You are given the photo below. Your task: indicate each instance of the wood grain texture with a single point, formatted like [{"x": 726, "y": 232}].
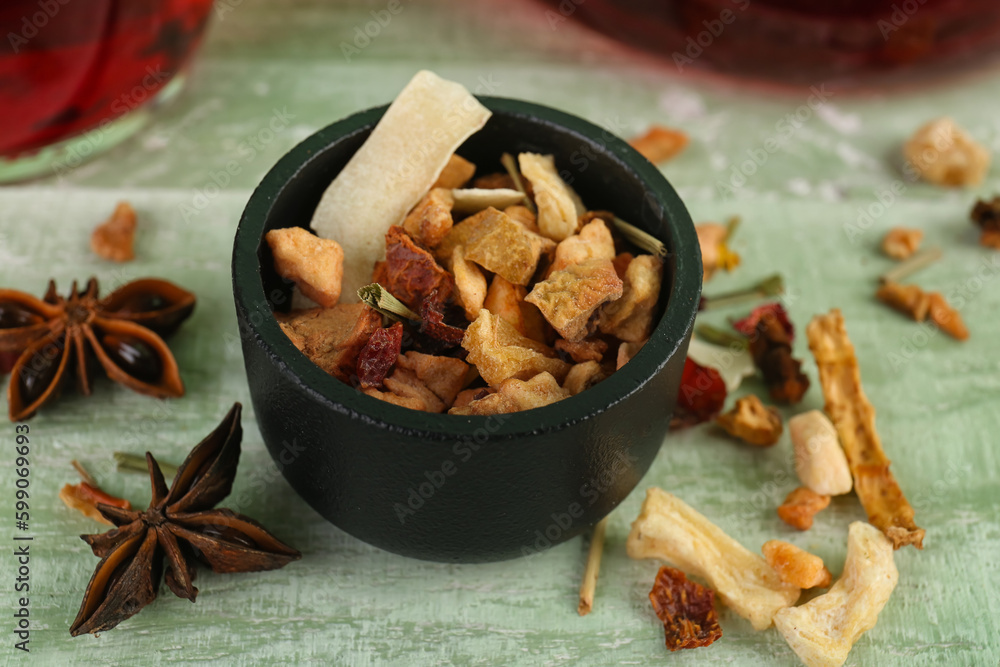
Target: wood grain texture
[{"x": 347, "y": 603}]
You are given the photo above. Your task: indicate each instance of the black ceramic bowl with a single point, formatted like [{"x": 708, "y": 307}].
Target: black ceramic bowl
[{"x": 445, "y": 487}]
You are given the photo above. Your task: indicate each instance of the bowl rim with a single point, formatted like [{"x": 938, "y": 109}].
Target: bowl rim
[{"x": 670, "y": 333}]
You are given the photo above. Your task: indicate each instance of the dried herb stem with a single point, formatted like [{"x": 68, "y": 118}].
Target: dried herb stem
[
  {"x": 768, "y": 287},
  {"x": 644, "y": 240},
  {"x": 84, "y": 475},
  {"x": 381, "y": 300},
  {"x": 510, "y": 164},
  {"x": 720, "y": 337},
  {"x": 134, "y": 463},
  {"x": 919, "y": 261},
  {"x": 589, "y": 584}
]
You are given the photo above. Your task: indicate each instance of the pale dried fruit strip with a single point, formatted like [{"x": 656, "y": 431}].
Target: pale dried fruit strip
[
  {"x": 393, "y": 169},
  {"x": 822, "y": 631},
  {"x": 671, "y": 530},
  {"x": 854, "y": 417}
]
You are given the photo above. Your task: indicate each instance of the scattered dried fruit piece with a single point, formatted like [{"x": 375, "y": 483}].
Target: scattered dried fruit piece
[
  {"x": 771, "y": 347},
  {"x": 918, "y": 304},
  {"x": 113, "y": 239},
  {"x": 494, "y": 181},
  {"x": 500, "y": 245},
  {"x": 701, "y": 396},
  {"x": 469, "y": 282},
  {"x": 332, "y": 337},
  {"x": 430, "y": 220},
  {"x": 986, "y": 215},
  {"x": 748, "y": 325},
  {"x": 395, "y": 166},
  {"x": 506, "y": 300},
  {"x": 942, "y": 153},
  {"x": 753, "y": 422},
  {"x": 500, "y": 352},
  {"x": 592, "y": 242},
  {"x": 456, "y": 173},
  {"x": 591, "y": 349},
  {"x": 625, "y": 353},
  {"x": 659, "y": 143},
  {"x": 315, "y": 265},
  {"x": 85, "y": 498},
  {"x": 796, "y": 566},
  {"x": 902, "y": 242},
  {"x": 569, "y": 298},
  {"x": 514, "y": 395},
  {"x": 686, "y": 609},
  {"x": 670, "y": 530},
  {"x": 402, "y": 401},
  {"x": 445, "y": 376},
  {"x": 715, "y": 253},
  {"x": 823, "y": 630},
  {"x": 411, "y": 273},
  {"x": 630, "y": 318},
  {"x": 854, "y": 417},
  {"x": 583, "y": 376},
  {"x": 473, "y": 200},
  {"x": 379, "y": 354},
  {"x": 523, "y": 216},
  {"x": 946, "y": 318},
  {"x": 800, "y": 506},
  {"x": 558, "y": 206},
  {"x": 405, "y": 383},
  {"x": 820, "y": 462}
]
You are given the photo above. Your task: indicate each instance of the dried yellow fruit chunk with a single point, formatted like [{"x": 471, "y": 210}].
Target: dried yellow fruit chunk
[
  {"x": 500, "y": 245},
  {"x": 854, "y": 418},
  {"x": 796, "y": 566},
  {"x": 593, "y": 242},
  {"x": 430, "y": 220},
  {"x": 901, "y": 242},
  {"x": 823, "y": 630},
  {"x": 671, "y": 530},
  {"x": 820, "y": 462},
  {"x": 470, "y": 282},
  {"x": 753, "y": 422},
  {"x": 942, "y": 153},
  {"x": 568, "y": 298},
  {"x": 514, "y": 395},
  {"x": 405, "y": 383},
  {"x": 445, "y": 376},
  {"x": 500, "y": 352},
  {"x": 559, "y": 208},
  {"x": 315, "y": 265},
  {"x": 583, "y": 376},
  {"x": 630, "y": 318},
  {"x": 455, "y": 174}
]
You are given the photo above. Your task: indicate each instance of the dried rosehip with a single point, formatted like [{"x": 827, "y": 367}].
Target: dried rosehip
[
  {"x": 686, "y": 608},
  {"x": 748, "y": 325},
  {"x": 379, "y": 355},
  {"x": 701, "y": 397}
]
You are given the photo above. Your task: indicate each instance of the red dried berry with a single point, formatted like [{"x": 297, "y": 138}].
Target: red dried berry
[
  {"x": 686, "y": 608},
  {"x": 701, "y": 397},
  {"x": 379, "y": 355}
]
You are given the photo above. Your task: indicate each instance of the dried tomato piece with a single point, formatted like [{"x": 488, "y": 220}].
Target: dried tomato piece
[
  {"x": 748, "y": 325},
  {"x": 701, "y": 397},
  {"x": 433, "y": 324},
  {"x": 379, "y": 354},
  {"x": 686, "y": 608},
  {"x": 412, "y": 273}
]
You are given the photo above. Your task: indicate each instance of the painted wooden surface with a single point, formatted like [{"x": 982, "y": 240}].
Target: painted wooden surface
[{"x": 347, "y": 603}]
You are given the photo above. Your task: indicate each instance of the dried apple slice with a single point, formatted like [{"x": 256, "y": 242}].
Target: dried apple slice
[{"x": 393, "y": 169}]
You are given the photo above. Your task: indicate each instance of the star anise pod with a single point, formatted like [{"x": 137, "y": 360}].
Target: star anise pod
[
  {"x": 180, "y": 526},
  {"x": 54, "y": 336}
]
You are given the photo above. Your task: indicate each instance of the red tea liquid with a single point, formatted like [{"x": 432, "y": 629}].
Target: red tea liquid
[
  {"x": 804, "y": 42},
  {"x": 68, "y": 65}
]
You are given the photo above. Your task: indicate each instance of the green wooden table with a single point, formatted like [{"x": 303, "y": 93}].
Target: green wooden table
[{"x": 348, "y": 603}]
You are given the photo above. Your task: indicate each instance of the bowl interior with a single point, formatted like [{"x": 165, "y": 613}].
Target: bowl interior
[{"x": 606, "y": 172}]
